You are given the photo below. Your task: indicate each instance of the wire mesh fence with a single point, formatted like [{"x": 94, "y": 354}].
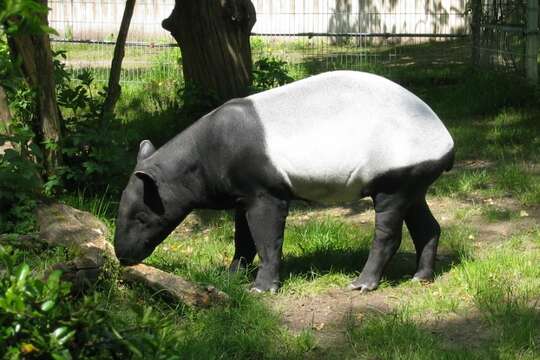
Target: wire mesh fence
[
  {"x": 508, "y": 36},
  {"x": 502, "y": 40},
  {"x": 311, "y": 35}
]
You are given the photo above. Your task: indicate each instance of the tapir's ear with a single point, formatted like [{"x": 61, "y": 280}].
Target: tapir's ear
[
  {"x": 145, "y": 150},
  {"x": 145, "y": 176}
]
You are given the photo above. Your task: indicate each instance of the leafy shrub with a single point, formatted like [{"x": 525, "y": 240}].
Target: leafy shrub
[
  {"x": 270, "y": 72},
  {"x": 20, "y": 171},
  {"x": 39, "y": 319},
  {"x": 94, "y": 147}
]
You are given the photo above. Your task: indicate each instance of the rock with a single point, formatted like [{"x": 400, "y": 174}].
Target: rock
[
  {"x": 79, "y": 231},
  {"x": 86, "y": 236}
]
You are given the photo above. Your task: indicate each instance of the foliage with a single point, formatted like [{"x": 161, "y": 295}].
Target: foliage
[
  {"x": 39, "y": 319},
  {"x": 20, "y": 179},
  {"x": 196, "y": 101},
  {"x": 19, "y": 165},
  {"x": 32, "y": 316},
  {"x": 94, "y": 148},
  {"x": 270, "y": 72},
  {"x": 23, "y": 17}
]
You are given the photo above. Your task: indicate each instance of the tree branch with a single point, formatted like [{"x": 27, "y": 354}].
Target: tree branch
[{"x": 114, "y": 89}]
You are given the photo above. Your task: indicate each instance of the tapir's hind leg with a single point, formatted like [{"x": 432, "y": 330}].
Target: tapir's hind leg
[
  {"x": 390, "y": 210},
  {"x": 425, "y": 232},
  {"x": 266, "y": 219},
  {"x": 244, "y": 247}
]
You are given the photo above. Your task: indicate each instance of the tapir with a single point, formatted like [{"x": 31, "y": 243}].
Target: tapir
[{"x": 330, "y": 138}]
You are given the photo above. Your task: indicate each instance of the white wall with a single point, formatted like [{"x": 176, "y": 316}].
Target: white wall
[{"x": 98, "y": 19}]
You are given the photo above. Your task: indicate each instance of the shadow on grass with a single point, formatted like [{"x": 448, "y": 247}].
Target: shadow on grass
[
  {"x": 477, "y": 336},
  {"x": 400, "y": 268}
]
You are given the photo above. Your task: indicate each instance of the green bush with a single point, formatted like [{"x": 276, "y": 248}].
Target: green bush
[
  {"x": 20, "y": 172},
  {"x": 270, "y": 72},
  {"x": 94, "y": 146},
  {"x": 40, "y": 319}
]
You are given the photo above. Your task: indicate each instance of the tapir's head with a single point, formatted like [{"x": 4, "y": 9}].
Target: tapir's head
[{"x": 147, "y": 211}]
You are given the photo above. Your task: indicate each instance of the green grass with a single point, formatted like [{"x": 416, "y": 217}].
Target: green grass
[
  {"x": 499, "y": 290},
  {"x": 494, "y": 214},
  {"x": 396, "y": 336},
  {"x": 520, "y": 181}
]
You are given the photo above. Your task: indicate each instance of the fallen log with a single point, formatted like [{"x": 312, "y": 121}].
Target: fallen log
[
  {"x": 174, "y": 286},
  {"x": 86, "y": 236}
]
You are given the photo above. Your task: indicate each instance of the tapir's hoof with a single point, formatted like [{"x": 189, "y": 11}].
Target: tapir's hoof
[
  {"x": 362, "y": 287},
  {"x": 260, "y": 289},
  {"x": 422, "y": 278}
]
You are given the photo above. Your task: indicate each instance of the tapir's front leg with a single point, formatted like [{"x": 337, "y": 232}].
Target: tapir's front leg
[
  {"x": 266, "y": 216},
  {"x": 244, "y": 247}
]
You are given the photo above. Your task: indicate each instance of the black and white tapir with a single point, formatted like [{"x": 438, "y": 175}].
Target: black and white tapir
[{"x": 334, "y": 137}]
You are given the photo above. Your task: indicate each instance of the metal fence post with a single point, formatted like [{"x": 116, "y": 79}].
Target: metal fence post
[{"x": 531, "y": 52}]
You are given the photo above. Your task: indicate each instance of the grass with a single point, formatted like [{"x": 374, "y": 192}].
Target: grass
[
  {"x": 494, "y": 214},
  {"x": 499, "y": 290}
]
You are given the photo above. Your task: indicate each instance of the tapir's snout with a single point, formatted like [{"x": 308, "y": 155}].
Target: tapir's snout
[
  {"x": 127, "y": 261},
  {"x": 128, "y": 253},
  {"x": 125, "y": 258}
]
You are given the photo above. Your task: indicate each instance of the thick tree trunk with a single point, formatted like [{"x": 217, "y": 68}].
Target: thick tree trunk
[
  {"x": 213, "y": 36},
  {"x": 35, "y": 53},
  {"x": 114, "y": 88}
]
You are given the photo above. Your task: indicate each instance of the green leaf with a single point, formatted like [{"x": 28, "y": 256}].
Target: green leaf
[
  {"x": 22, "y": 274},
  {"x": 133, "y": 348},
  {"x": 61, "y": 335},
  {"x": 47, "y": 305},
  {"x": 53, "y": 280},
  {"x": 62, "y": 355},
  {"x": 64, "y": 339}
]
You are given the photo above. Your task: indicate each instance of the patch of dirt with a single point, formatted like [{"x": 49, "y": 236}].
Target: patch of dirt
[{"x": 328, "y": 314}]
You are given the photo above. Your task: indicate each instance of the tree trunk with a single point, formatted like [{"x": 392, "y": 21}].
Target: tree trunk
[
  {"x": 213, "y": 36},
  {"x": 114, "y": 88},
  {"x": 37, "y": 66},
  {"x": 5, "y": 114},
  {"x": 5, "y": 120}
]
